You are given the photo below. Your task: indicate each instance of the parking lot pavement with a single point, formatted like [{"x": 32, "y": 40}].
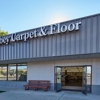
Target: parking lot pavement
[{"x": 49, "y": 95}]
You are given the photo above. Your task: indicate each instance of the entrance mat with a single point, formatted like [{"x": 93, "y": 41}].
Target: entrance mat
[{"x": 2, "y": 91}]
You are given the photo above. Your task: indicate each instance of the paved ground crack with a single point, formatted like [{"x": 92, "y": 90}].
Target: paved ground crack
[{"x": 61, "y": 96}]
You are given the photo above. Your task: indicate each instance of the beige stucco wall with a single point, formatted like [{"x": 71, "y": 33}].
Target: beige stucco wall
[{"x": 41, "y": 71}]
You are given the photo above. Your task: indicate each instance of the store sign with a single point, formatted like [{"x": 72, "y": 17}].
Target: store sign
[{"x": 39, "y": 32}]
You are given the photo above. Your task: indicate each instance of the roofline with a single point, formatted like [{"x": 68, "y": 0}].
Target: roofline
[{"x": 56, "y": 23}]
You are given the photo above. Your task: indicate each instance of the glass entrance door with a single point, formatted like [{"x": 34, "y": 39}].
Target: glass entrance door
[
  {"x": 84, "y": 80},
  {"x": 57, "y": 78}
]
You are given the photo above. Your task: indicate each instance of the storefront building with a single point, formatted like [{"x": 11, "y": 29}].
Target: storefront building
[{"x": 67, "y": 54}]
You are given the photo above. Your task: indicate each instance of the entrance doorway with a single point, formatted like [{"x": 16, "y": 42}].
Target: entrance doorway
[{"x": 73, "y": 78}]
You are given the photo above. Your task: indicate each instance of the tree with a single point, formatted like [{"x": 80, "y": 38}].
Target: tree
[{"x": 3, "y": 33}]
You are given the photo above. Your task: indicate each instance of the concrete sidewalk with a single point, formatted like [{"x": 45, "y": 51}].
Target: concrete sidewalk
[{"x": 41, "y": 95}]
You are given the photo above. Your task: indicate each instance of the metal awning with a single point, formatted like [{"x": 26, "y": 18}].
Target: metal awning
[{"x": 53, "y": 58}]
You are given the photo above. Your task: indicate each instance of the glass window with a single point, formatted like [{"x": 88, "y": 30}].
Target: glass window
[
  {"x": 3, "y": 72},
  {"x": 12, "y": 72},
  {"x": 89, "y": 78},
  {"x": 22, "y": 73}
]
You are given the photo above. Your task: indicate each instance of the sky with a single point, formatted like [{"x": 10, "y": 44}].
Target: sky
[{"x": 19, "y": 15}]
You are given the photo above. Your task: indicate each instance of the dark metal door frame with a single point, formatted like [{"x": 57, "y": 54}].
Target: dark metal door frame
[
  {"x": 55, "y": 78},
  {"x": 71, "y": 66}
]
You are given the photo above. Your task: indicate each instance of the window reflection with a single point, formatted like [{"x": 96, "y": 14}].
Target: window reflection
[
  {"x": 3, "y": 72},
  {"x": 89, "y": 78},
  {"x": 12, "y": 72},
  {"x": 89, "y": 75},
  {"x": 22, "y": 73},
  {"x": 16, "y": 72}
]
